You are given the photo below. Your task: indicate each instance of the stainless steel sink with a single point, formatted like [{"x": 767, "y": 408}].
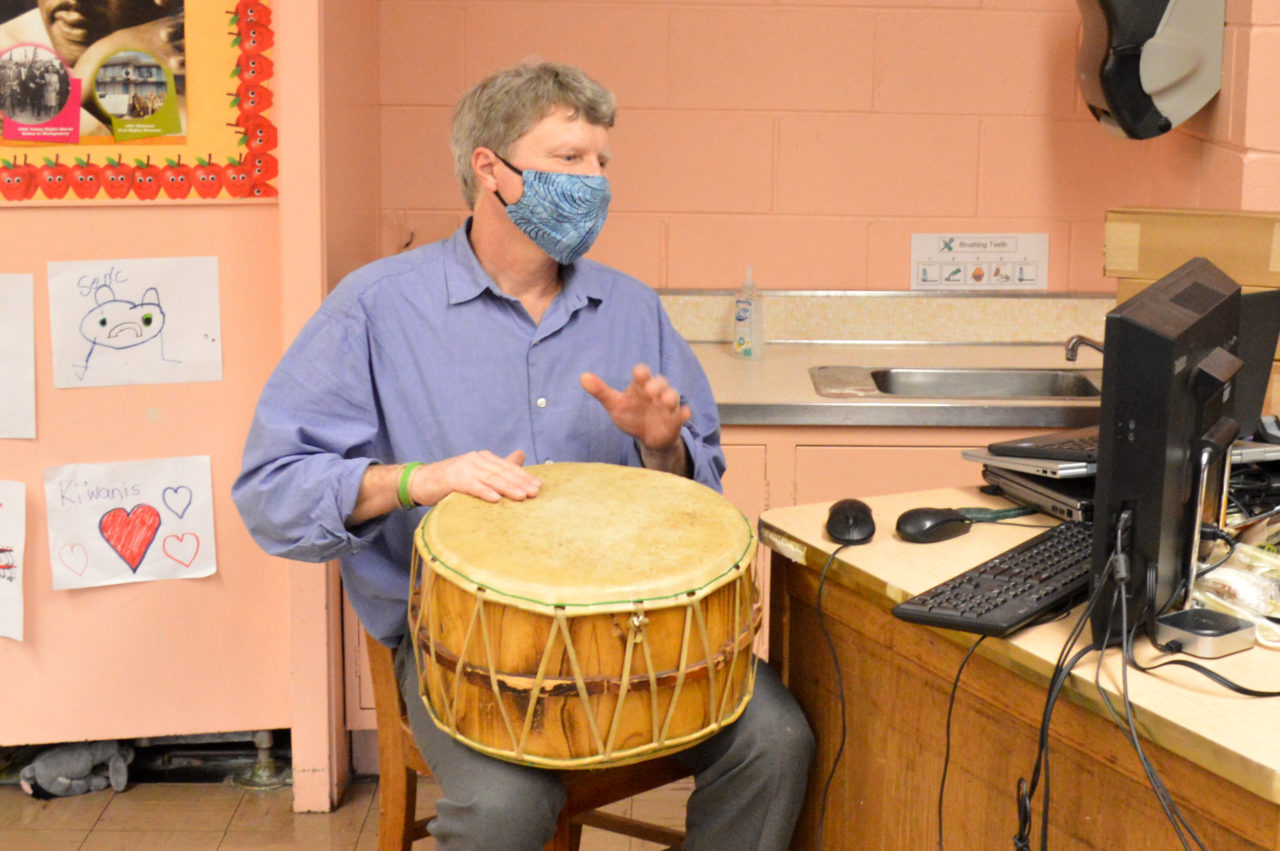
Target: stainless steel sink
[{"x": 956, "y": 383}]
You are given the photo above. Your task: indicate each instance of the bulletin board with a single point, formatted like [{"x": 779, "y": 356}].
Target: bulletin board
[{"x": 170, "y": 100}]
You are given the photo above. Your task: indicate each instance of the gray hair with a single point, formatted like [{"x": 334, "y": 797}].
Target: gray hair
[{"x": 498, "y": 110}]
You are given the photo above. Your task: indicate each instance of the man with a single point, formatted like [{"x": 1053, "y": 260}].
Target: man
[{"x": 473, "y": 355}]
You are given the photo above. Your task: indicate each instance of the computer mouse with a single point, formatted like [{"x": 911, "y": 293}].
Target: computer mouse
[
  {"x": 850, "y": 522},
  {"x": 930, "y": 525}
]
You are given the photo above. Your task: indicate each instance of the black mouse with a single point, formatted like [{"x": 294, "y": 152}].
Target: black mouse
[
  {"x": 850, "y": 522},
  {"x": 930, "y": 525}
]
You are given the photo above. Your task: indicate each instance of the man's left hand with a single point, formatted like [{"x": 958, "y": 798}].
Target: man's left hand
[{"x": 648, "y": 409}]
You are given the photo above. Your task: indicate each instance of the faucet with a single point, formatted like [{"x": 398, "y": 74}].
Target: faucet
[{"x": 1076, "y": 341}]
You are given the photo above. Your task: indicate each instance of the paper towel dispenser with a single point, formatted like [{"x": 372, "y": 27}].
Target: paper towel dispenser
[{"x": 1146, "y": 66}]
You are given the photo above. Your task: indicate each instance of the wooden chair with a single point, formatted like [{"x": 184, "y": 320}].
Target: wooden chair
[{"x": 400, "y": 763}]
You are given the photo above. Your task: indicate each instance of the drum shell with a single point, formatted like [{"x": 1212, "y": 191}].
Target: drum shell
[{"x": 661, "y": 713}]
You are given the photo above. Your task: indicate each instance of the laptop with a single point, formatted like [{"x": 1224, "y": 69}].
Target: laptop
[
  {"x": 1077, "y": 444},
  {"x": 1075, "y": 449},
  {"x": 1066, "y": 499},
  {"x": 1051, "y": 467},
  {"x": 1259, "y": 330}
]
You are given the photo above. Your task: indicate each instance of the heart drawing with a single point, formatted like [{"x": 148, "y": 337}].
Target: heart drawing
[
  {"x": 177, "y": 500},
  {"x": 130, "y": 533},
  {"x": 182, "y": 548},
  {"x": 73, "y": 558}
]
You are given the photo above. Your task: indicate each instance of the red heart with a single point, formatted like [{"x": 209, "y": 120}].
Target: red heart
[{"x": 130, "y": 533}]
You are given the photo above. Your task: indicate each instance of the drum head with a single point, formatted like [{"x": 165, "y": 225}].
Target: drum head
[{"x": 595, "y": 535}]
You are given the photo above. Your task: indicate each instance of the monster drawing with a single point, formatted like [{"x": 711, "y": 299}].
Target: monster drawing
[{"x": 117, "y": 323}]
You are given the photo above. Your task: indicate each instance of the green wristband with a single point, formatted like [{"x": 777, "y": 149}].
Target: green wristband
[{"x": 406, "y": 501}]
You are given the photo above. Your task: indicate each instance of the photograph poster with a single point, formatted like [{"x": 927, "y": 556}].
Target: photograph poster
[
  {"x": 104, "y": 70},
  {"x": 123, "y": 101}
]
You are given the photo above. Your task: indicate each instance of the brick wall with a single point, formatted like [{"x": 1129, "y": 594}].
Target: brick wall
[{"x": 811, "y": 139}]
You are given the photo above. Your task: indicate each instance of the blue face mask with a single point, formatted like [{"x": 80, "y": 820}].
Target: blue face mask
[{"x": 562, "y": 213}]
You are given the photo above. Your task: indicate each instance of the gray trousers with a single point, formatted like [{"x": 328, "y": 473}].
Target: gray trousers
[{"x": 749, "y": 779}]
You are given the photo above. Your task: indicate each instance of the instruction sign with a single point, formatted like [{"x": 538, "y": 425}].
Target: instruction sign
[{"x": 967, "y": 261}]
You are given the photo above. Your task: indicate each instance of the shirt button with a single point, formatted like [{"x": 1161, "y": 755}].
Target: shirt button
[{"x": 542, "y": 402}]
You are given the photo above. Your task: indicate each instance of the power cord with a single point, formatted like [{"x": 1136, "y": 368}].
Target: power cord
[
  {"x": 1176, "y": 647},
  {"x": 946, "y": 753},
  {"x": 835, "y": 661},
  {"x": 1026, "y": 791},
  {"x": 1117, "y": 569},
  {"x": 1208, "y": 531},
  {"x": 1061, "y": 671},
  {"x": 1167, "y": 803}
]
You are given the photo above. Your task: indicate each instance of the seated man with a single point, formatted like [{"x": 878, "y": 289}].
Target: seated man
[{"x": 472, "y": 355}]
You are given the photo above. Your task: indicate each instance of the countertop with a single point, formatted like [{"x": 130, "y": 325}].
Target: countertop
[
  {"x": 777, "y": 390},
  {"x": 1226, "y": 733}
]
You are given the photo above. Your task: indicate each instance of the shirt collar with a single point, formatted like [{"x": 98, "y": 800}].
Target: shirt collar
[{"x": 466, "y": 279}]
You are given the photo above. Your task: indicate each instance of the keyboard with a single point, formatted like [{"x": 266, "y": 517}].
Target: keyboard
[{"x": 1043, "y": 575}]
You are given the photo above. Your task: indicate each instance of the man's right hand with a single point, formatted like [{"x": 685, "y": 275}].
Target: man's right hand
[{"x": 480, "y": 474}]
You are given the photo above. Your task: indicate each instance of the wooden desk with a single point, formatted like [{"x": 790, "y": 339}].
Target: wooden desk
[{"x": 1218, "y": 753}]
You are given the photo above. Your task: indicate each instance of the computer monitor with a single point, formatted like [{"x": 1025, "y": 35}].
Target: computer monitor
[{"x": 1168, "y": 374}]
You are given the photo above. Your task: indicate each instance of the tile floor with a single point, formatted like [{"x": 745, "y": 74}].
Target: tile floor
[{"x": 206, "y": 816}]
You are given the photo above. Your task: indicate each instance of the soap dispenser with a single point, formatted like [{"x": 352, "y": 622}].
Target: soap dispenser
[{"x": 748, "y": 321}]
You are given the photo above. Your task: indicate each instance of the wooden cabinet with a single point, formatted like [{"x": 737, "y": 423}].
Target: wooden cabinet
[
  {"x": 824, "y": 463},
  {"x": 771, "y": 467}
]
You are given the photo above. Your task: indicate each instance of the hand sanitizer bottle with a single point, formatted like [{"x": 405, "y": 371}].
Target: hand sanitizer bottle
[{"x": 748, "y": 321}]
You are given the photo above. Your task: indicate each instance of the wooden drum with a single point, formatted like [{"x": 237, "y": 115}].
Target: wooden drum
[{"x": 607, "y": 620}]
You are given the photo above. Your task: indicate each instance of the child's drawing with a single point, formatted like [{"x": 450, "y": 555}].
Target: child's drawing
[
  {"x": 17, "y": 356},
  {"x": 130, "y": 521},
  {"x": 13, "y": 530},
  {"x": 149, "y": 320},
  {"x": 117, "y": 323}
]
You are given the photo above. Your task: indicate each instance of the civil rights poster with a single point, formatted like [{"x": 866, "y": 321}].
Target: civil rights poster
[
  {"x": 116, "y": 101},
  {"x": 92, "y": 70}
]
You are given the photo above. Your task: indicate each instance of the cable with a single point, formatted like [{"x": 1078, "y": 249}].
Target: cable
[
  {"x": 1208, "y": 531},
  {"x": 1061, "y": 671},
  {"x": 1102, "y": 652},
  {"x": 1117, "y": 568},
  {"x": 946, "y": 753},
  {"x": 831, "y": 645},
  {"x": 1167, "y": 803},
  {"x": 1175, "y": 647}
]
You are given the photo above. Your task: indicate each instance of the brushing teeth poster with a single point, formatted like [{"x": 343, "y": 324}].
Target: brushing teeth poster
[
  {"x": 13, "y": 530},
  {"x": 133, "y": 521},
  {"x": 150, "y": 320}
]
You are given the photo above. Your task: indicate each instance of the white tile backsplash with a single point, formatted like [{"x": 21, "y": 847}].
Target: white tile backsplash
[{"x": 836, "y": 316}]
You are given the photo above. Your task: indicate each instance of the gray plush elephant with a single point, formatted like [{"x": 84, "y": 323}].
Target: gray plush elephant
[{"x": 73, "y": 769}]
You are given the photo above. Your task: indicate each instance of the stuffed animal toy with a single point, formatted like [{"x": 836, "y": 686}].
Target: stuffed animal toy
[{"x": 73, "y": 769}]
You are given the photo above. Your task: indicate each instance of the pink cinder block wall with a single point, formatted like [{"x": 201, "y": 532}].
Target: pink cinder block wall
[{"x": 811, "y": 139}]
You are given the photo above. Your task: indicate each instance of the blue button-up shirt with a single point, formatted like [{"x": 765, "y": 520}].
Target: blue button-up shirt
[{"x": 420, "y": 357}]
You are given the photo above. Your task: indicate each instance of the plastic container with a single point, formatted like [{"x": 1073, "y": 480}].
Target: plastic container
[{"x": 748, "y": 321}]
